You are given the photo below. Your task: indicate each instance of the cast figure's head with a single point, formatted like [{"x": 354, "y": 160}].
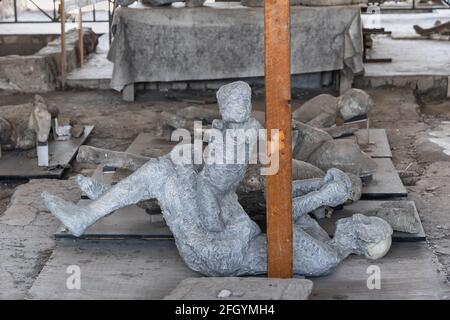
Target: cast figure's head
[
  {"x": 371, "y": 236},
  {"x": 235, "y": 102}
]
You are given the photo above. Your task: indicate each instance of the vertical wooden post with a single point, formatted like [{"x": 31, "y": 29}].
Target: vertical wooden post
[
  {"x": 278, "y": 116},
  {"x": 63, "y": 62},
  {"x": 80, "y": 36}
]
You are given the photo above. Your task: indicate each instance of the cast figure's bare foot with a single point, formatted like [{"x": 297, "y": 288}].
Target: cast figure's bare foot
[{"x": 72, "y": 216}]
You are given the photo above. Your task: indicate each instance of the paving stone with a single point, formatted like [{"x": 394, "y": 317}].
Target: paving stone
[{"x": 241, "y": 289}]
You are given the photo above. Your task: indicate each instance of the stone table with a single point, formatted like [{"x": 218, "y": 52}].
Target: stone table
[{"x": 225, "y": 40}]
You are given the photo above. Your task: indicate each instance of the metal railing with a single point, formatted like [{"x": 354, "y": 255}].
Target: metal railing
[
  {"x": 54, "y": 16},
  {"x": 415, "y": 5}
]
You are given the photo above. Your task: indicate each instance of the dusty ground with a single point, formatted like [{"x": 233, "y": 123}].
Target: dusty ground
[{"x": 26, "y": 242}]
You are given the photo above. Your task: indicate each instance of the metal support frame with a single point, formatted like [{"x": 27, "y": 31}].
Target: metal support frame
[{"x": 54, "y": 17}]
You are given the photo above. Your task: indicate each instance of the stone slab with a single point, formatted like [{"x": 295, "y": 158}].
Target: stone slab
[
  {"x": 386, "y": 182},
  {"x": 368, "y": 208},
  {"x": 17, "y": 165},
  {"x": 111, "y": 270},
  {"x": 137, "y": 269},
  {"x": 131, "y": 222},
  {"x": 373, "y": 142},
  {"x": 407, "y": 272},
  {"x": 234, "y": 288},
  {"x": 407, "y": 57}
]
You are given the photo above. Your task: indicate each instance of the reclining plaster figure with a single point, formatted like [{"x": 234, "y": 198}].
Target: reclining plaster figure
[{"x": 213, "y": 233}]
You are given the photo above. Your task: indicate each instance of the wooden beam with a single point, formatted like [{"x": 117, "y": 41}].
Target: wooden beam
[
  {"x": 278, "y": 116},
  {"x": 80, "y": 36},
  {"x": 63, "y": 57}
]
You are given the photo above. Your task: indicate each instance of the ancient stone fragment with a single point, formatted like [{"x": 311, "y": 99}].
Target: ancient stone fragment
[
  {"x": 400, "y": 215},
  {"x": 321, "y": 111},
  {"x": 341, "y": 131},
  {"x": 16, "y": 133},
  {"x": 316, "y": 147},
  {"x": 77, "y": 130},
  {"x": 353, "y": 103},
  {"x": 345, "y": 155}
]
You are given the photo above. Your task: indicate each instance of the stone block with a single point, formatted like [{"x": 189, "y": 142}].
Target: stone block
[
  {"x": 234, "y": 288},
  {"x": 425, "y": 83},
  {"x": 26, "y": 74}
]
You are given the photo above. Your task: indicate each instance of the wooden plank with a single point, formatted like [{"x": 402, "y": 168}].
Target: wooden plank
[
  {"x": 378, "y": 146},
  {"x": 63, "y": 56},
  {"x": 278, "y": 116},
  {"x": 18, "y": 165},
  {"x": 386, "y": 182},
  {"x": 369, "y": 208},
  {"x": 80, "y": 36},
  {"x": 408, "y": 272},
  {"x": 131, "y": 222}
]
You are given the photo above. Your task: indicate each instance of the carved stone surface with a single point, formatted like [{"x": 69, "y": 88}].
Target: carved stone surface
[{"x": 213, "y": 233}]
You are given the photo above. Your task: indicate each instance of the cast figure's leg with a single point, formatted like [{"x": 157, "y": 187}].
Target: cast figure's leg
[
  {"x": 332, "y": 191},
  {"x": 145, "y": 183},
  {"x": 303, "y": 187},
  {"x": 91, "y": 187}
]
